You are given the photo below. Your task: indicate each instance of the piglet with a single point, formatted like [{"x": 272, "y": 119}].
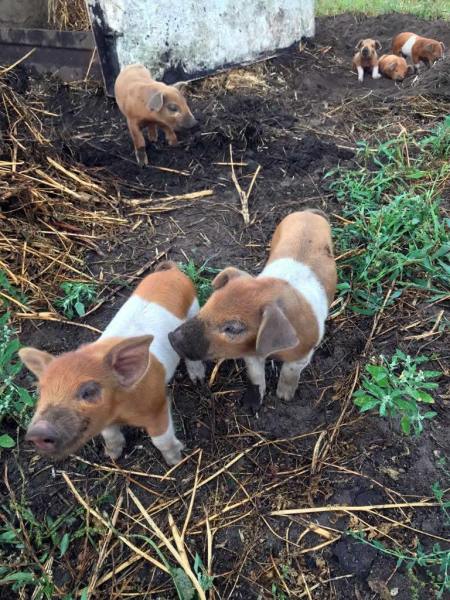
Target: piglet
[
  {"x": 280, "y": 314},
  {"x": 394, "y": 67},
  {"x": 417, "y": 48},
  {"x": 366, "y": 58},
  {"x": 119, "y": 379},
  {"x": 150, "y": 104}
]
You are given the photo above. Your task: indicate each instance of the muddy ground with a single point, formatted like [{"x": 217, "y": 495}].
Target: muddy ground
[{"x": 296, "y": 116}]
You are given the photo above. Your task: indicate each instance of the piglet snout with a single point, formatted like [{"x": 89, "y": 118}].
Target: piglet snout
[
  {"x": 176, "y": 341},
  {"x": 189, "y": 340},
  {"x": 43, "y": 435},
  {"x": 189, "y": 122}
]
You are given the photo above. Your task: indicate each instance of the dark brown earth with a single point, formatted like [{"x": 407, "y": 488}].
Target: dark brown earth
[{"x": 296, "y": 116}]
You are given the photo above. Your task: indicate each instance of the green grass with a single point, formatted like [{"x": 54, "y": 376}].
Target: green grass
[
  {"x": 32, "y": 547},
  {"x": 394, "y": 238},
  {"x": 426, "y": 9},
  {"x": 397, "y": 388}
]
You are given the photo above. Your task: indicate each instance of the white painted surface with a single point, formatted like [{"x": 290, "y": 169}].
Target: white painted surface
[
  {"x": 305, "y": 281},
  {"x": 202, "y": 35}
]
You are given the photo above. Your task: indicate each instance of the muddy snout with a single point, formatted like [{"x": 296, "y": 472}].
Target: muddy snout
[
  {"x": 189, "y": 340},
  {"x": 57, "y": 431},
  {"x": 365, "y": 52},
  {"x": 44, "y": 436}
]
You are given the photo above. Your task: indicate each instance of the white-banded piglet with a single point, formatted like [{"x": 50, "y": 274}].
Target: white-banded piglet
[
  {"x": 279, "y": 314},
  {"x": 120, "y": 379}
]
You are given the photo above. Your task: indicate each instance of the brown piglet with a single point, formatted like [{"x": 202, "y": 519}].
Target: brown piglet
[
  {"x": 120, "y": 379},
  {"x": 279, "y": 314},
  {"x": 394, "y": 67},
  {"x": 366, "y": 58},
  {"x": 417, "y": 48},
  {"x": 149, "y": 104}
]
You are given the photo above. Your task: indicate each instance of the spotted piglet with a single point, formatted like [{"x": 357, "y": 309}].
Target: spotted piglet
[{"x": 120, "y": 379}]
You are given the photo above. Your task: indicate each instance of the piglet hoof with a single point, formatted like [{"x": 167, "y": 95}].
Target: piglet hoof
[
  {"x": 251, "y": 399},
  {"x": 285, "y": 391},
  {"x": 172, "y": 141},
  {"x": 172, "y": 455},
  {"x": 114, "y": 453},
  {"x": 196, "y": 370},
  {"x": 141, "y": 157},
  {"x": 376, "y": 76}
]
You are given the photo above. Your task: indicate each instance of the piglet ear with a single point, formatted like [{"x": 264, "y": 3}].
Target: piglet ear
[
  {"x": 378, "y": 45},
  {"x": 155, "y": 101},
  {"x": 180, "y": 86},
  {"x": 409, "y": 70},
  {"x": 359, "y": 44},
  {"x": 429, "y": 47},
  {"x": 130, "y": 359},
  {"x": 35, "y": 360},
  {"x": 227, "y": 275},
  {"x": 275, "y": 332}
]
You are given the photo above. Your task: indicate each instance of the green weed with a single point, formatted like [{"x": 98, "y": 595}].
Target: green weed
[
  {"x": 28, "y": 543},
  {"x": 8, "y": 292},
  {"x": 286, "y": 576},
  {"x": 436, "y": 562},
  {"x": 182, "y": 584},
  {"x": 78, "y": 297},
  {"x": 15, "y": 401},
  {"x": 395, "y": 238},
  {"x": 396, "y": 388},
  {"x": 201, "y": 278},
  {"x": 444, "y": 504}
]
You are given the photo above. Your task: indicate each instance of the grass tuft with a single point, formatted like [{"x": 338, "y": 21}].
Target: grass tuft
[{"x": 201, "y": 277}]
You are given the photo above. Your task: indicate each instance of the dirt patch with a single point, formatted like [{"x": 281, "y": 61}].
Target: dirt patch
[{"x": 306, "y": 118}]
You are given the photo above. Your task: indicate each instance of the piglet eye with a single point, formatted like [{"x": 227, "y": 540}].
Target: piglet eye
[
  {"x": 172, "y": 108},
  {"x": 233, "y": 328},
  {"x": 89, "y": 391}
]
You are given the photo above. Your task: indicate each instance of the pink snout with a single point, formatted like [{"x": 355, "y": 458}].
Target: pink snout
[{"x": 43, "y": 435}]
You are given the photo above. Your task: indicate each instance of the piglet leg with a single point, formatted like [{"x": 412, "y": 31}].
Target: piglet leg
[
  {"x": 167, "y": 443},
  {"x": 114, "y": 441},
  {"x": 256, "y": 373},
  {"x": 152, "y": 131},
  {"x": 289, "y": 376},
  {"x": 360, "y": 74},
  {"x": 196, "y": 370},
  {"x": 170, "y": 134},
  {"x": 376, "y": 72},
  {"x": 139, "y": 143}
]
